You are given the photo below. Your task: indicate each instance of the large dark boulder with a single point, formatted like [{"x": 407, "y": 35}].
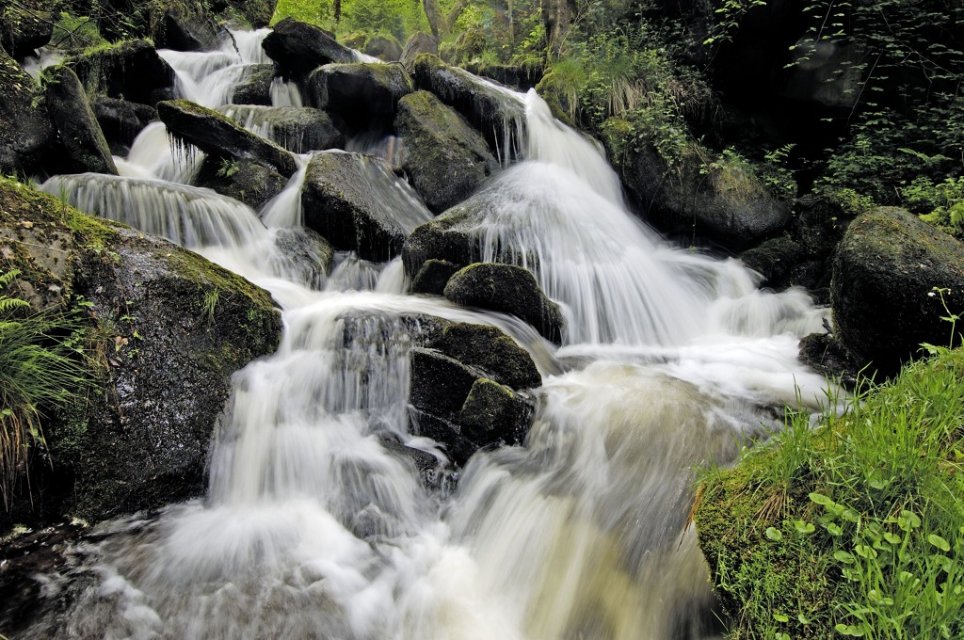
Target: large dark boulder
[
  {"x": 131, "y": 70},
  {"x": 249, "y": 181},
  {"x": 775, "y": 259},
  {"x": 297, "y": 129},
  {"x": 218, "y": 136},
  {"x": 489, "y": 349},
  {"x": 358, "y": 204},
  {"x": 445, "y": 159},
  {"x": 365, "y": 95},
  {"x": 883, "y": 291},
  {"x": 24, "y": 27},
  {"x": 183, "y": 30},
  {"x": 458, "y": 406},
  {"x": 499, "y": 116},
  {"x": 723, "y": 202},
  {"x": 508, "y": 289},
  {"x": 169, "y": 330},
  {"x": 298, "y": 48},
  {"x": 77, "y": 127},
  {"x": 254, "y": 86},
  {"x": 121, "y": 121},
  {"x": 26, "y": 134}
]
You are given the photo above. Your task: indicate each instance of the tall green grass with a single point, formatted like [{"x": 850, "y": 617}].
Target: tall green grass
[
  {"x": 41, "y": 370},
  {"x": 852, "y": 528}
]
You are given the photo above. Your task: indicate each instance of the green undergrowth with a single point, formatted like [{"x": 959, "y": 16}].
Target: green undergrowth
[
  {"x": 42, "y": 369},
  {"x": 850, "y": 528}
]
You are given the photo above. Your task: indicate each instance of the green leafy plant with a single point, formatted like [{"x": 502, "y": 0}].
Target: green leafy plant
[{"x": 41, "y": 369}]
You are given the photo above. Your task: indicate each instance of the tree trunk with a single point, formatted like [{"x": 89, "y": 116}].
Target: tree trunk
[
  {"x": 434, "y": 17},
  {"x": 557, "y": 17},
  {"x": 336, "y": 7}
]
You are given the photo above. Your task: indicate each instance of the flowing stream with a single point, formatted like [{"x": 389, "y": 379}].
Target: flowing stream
[{"x": 313, "y": 527}]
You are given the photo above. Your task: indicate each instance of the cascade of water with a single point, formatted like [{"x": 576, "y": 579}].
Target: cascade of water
[
  {"x": 153, "y": 155},
  {"x": 209, "y": 77},
  {"x": 312, "y": 527},
  {"x": 222, "y": 229},
  {"x": 285, "y": 94}
]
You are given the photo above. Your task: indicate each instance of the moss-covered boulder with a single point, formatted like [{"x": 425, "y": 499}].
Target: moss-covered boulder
[
  {"x": 364, "y": 95},
  {"x": 131, "y": 70},
  {"x": 297, "y": 129},
  {"x": 121, "y": 121},
  {"x": 489, "y": 349},
  {"x": 508, "y": 289},
  {"x": 417, "y": 44},
  {"x": 722, "y": 201},
  {"x": 499, "y": 116},
  {"x": 24, "y": 27},
  {"x": 298, "y": 48},
  {"x": 384, "y": 48},
  {"x": 221, "y": 137},
  {"x": 254, "y": 86},
  {"x": 249, "y": 181},
  {"x": 166, "y": 330},
  {"x": 432, "y": 276},
  {"x": 885, "y": 273},
  {"x": 25, "y": 130},
  {"x": 358, "y": 204},
  {"x": 77, "y": 128},
  {"x": 445, "y": 159},
  {"x": 449, "y": 238}
]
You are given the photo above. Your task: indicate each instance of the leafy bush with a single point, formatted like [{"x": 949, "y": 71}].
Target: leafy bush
[
  {"x": 940, "y": 203},
  {"x": 854, "y": 528},
  {"x": 41, "y": 369}
]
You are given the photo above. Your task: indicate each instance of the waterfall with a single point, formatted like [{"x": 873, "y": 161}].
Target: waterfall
[{"x": 314, "y": 525}]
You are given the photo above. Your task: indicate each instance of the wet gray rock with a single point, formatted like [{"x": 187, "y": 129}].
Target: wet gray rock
[
  {"x": 306, "y": 248},
  {"x": 172, "y": 328},
  {"x": 77, "y": 128},
  {"x": 121, "y": 121},
  {"x": 445, "y": 159},
  {"x": 298, "y": 48},
  {"x": 494, "y": 113},
  {"x": 729, "y": 205},
  {"x": 508, "y": 289},
  {"x": 386, "y": 49},
  {"x": 417, "y": 44},
  {"x": 358, "y": 204},
  {"x": 882, "y": 293},
  {"x": 489, "y": 349},
  {"x": 254, "y": 86},
  {"x": 455, "y": 404},
  {"x": 249, "y": 181},
  {"x": 26, "y": 135},
  {"x": 297, "y": 129},
  {"x": 218, "y": 136},
  {"x": 131, "y": 70},
  {"x": 365, "y": 95},
  {"x": 775, "y": 260},
  {"x": 448, "y": 238}
]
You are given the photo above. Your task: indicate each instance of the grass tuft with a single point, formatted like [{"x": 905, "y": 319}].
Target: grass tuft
[{"x": 852, "y": 528}]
